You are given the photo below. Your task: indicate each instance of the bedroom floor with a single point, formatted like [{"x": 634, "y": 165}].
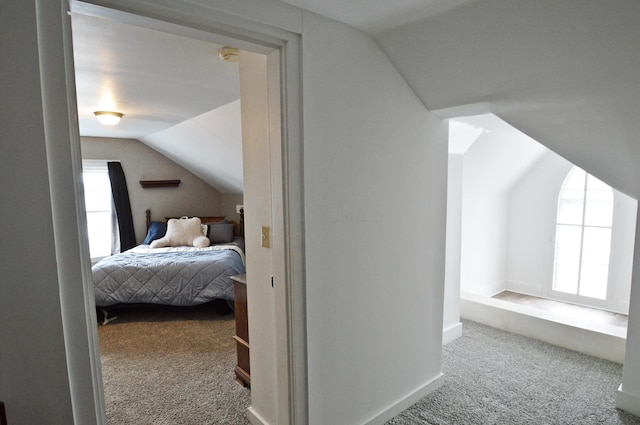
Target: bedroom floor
[
  {"x": 172, "y": 366},
  {"x": 577, "y": 311}
]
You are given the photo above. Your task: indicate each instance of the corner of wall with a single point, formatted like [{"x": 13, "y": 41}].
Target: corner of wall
[
  {"x": 255, "y": 418},
  {"x": 628, "y": 402},
  {"x": 451, "y": 333},
  {"x": 406, "y": 402}
]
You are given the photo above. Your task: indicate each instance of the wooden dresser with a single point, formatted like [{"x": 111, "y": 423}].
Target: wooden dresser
[{"x": 243, "y": 371}]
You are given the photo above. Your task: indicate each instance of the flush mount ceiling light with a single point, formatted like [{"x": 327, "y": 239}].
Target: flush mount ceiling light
[
  {"x": 108, "y": 117},
  {"x": 228, "y": 54}
]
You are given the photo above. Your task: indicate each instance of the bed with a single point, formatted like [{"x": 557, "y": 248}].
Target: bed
[{"x": 173, "y": 275}]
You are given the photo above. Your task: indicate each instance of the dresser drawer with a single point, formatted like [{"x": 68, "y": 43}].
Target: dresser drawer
[{"x": 243, "y": 371}]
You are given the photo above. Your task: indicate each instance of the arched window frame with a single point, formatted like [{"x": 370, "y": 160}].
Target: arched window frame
[{"x": 584, "y": 224}]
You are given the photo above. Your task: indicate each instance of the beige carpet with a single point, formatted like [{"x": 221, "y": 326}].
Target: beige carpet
[{"x": 171, "y": 366}]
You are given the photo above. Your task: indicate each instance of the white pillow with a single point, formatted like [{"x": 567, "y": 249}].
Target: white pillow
[{"x": 182, "y": 232}]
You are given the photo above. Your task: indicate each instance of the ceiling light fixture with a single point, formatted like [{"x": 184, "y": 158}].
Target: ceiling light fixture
[
  {"x": 228, "y": 54},
  {"x": 108, "y": 117}
]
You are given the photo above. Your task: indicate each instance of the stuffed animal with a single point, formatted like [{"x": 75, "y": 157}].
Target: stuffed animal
[{"x": 182, "y": 232}]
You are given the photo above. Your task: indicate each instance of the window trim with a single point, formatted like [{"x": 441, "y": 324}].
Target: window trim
[
  {"x": 577, "y": 298},
  {"x": 99, "y": 166}
]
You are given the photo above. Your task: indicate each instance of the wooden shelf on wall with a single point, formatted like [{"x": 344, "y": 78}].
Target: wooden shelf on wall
[{"x": 147, "y": 184}]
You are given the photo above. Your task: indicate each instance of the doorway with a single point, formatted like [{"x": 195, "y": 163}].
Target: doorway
[{"x": 288, "y": 318}]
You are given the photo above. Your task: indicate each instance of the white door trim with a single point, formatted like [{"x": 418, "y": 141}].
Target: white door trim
[{"x": 199, "y": 20}]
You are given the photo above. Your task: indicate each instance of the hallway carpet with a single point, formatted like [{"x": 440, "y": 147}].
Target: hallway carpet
[{"x": 495, "y": 377}]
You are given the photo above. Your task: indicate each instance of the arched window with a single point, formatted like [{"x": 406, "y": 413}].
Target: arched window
[{"x": 583, "y": 236}]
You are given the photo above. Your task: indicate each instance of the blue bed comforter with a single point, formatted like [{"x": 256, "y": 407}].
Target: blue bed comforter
[{"x": 178, "y": 277}]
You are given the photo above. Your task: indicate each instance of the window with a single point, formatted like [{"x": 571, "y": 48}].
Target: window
[
  {"x": 583, "y": 236},
  {"x": 98, "y": 204}
]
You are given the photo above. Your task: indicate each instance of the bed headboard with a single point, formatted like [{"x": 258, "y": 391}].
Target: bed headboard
[{"x": 238, "y": 227}]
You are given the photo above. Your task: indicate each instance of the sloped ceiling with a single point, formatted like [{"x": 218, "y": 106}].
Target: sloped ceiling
[
  {"x": 565, "y": 73},
  {"x": 176, "y": 94},
  {"x": 462, "y": 135},
  {"x": 173, "y": 89},
  {"x": 374, "y": 16},
  {"x": 499, "y": 156},
  {"x": 207, "y": 145}
]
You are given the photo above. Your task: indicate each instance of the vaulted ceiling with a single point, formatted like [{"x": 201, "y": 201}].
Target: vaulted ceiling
[
  {"x": 565, "y": 73},
  {"x": 176, "y": 94}
]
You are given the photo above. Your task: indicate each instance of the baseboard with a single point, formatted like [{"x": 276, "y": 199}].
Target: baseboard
[
  {"x": 382, "y": 417},
  {"x": 628, "y": 402},
  {"x": 255, "y": 418},
  {"x": 408, "y": 401},
  {"x": 451, "y": 333},
  {"x": 523, "y": 288},
  {"x": 487, "y": 290}
]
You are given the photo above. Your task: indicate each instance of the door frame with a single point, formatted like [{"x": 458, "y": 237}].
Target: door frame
[{"x": 196, "y": 20}]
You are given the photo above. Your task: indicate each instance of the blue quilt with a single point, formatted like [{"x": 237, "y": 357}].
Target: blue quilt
[{"x": 179, "y": 277}]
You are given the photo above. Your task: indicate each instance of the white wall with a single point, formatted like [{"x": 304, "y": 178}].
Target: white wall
[
  {"x": 484, "y": 236},
  {"x": 492, "y": 166},
  {"x": 622, "y": 250},
  {"x": 461, "y": 136},
  {"x": 533, "y": 207},
  {"x": 33, "y": 367},
  {"x": 484, "y": 214},
  {"x": 451, "y": 326},
  {"x": 374, "y": 283},
  {"x": 192, "y": 197},
  {"x": 629, "y": 391}
]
